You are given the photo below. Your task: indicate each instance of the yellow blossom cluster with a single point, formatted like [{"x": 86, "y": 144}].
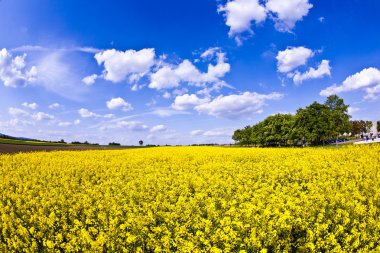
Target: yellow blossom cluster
[{"x": 191, "y": 199}]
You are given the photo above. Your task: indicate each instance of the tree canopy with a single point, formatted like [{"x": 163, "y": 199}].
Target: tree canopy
[{"x": 314, "y": 124}]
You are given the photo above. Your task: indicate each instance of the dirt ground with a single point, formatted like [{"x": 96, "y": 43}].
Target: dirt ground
[{"x": 11, "y": 148}]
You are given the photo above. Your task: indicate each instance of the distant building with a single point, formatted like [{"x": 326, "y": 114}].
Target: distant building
[{"x": 374, "y": 128}]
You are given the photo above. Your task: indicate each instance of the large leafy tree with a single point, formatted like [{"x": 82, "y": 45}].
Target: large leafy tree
[
  {"x": 356, "y": 127},
  {"x": 339, "y": 116},
  {"x": 243, "y": 136},
  {"x": 314, "y": 123},
  {"x": 278, "y": 129}
]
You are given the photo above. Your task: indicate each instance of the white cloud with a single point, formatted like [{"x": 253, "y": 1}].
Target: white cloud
[
  {"x": 323, "y": 69},
  {"x": 292, "y": 57},
  {"x": 119, "y": 65},
  {"x": 217, "y": 71},
  {"x": 19, "y": 113},
  {"x": 241, "y": 13},
  {"x": 68, "y": 123},
  {"x": 164, "y": 78},
  {"x": 172, "y": 76},
  {"x": 119, "y": 103},
  {"x": 166, "y": 95},
  {"x": 211, "y": 52},
  {"x": 235, "y": 106},
  {"x": 32, "y": 106},
  {"x": 59, "y": 75},
  {"x": 54, "y": 106},
  {"x": 15, "y": 123},
  {"x": 158, "y": 128},
  {"x": 373, "y": 92},
  {"x": 42, "y": 116},
  {"x": 90, "y": 80},
  {"x": 187, "y": 101},
  {"x": 367, "y": 78},
  {"x": 85, "y": 113},
  {"x": 215, "y": 87},
  {"x": 13, "y": 72},
  {"x": 16, "y": 112},
  {"x": 287, "y": 13}
]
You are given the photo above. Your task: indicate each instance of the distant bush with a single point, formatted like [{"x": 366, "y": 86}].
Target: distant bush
[{"x": 114, "y": 144}]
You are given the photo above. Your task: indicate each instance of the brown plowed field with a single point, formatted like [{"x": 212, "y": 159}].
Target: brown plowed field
[{"x": 11, "y": 148}]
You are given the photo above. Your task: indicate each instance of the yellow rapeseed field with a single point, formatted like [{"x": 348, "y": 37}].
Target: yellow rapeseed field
[{"x": 192, "y": 199}]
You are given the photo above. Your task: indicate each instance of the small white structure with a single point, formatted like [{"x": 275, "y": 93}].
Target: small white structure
[{"x": 374, "y": 128}]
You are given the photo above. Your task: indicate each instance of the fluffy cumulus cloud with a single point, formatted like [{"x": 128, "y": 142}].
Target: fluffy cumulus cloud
[
  {"x": 288, "y": 12},
  {"x": 241, "y": 14},
  {"x": 90, "y": 80},
  {"x": 187, "y": 101},
  {"x": 367, "y": 79},
  {"x": 42, "y": 116},
  {"x": 13, "y": 70},
  {"x": 323, "y": 69},
  {"x": 119, "y": 65},
  {"x": 119, "y": 103},
  {"x": 85, "y": 113},
  {"x": 292, "y": 57},
  {"x": 171, "y": 76},
  {"x": 237, "y": 105},
  {"x": 158, "y": 128},
  {"x": 32, "y": 106}
]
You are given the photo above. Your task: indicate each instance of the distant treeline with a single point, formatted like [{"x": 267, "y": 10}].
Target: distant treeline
[
  {"x": 82, "y": 143},
  {"x": 315, "y": 124}
]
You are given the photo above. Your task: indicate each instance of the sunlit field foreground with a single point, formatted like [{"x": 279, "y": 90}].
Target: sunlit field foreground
[{"x": 191, "y": 199}]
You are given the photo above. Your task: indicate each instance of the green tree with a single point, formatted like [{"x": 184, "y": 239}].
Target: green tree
[
  {"x": 339, "y": 117},
  {"x": 356, "y": 127},
  {"x": 314, "y": 123},
  {"x": 378, "y": 126},
  {"x": 278, "y": 129},
  {"x": 363, "y": 127},
  {"x": 243, "y": 136}
]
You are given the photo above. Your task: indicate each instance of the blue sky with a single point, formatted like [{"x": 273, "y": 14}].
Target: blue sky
[{"x": 180, "y": 72}]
